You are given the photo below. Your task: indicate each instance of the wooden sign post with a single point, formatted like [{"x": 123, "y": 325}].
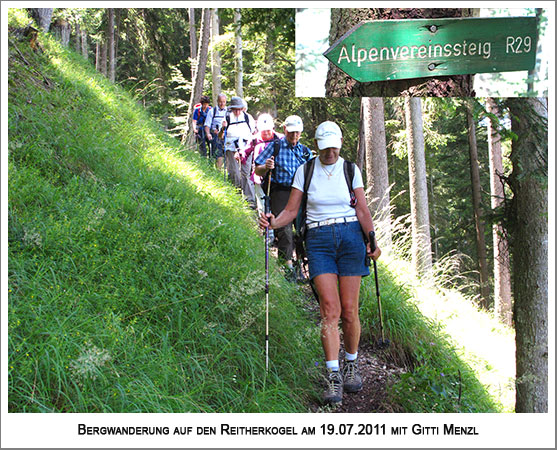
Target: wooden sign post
[{"x": 415, "y": 48}]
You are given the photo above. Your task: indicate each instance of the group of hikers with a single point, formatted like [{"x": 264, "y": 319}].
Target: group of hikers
[{"x": 326, "y": 191}]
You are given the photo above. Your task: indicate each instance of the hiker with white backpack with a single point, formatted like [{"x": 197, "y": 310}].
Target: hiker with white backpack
[
  {"x": 337, "y": 221},
  {"x": 237, "y": 130}
]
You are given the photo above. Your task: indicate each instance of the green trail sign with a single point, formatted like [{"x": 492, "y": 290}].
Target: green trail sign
[{"x": 414, "y": 48}]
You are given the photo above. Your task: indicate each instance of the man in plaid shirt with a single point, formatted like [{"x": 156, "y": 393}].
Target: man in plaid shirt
[{"x": 291, "y": 155}]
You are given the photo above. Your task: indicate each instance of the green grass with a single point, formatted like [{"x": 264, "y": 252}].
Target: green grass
[
  {"x": 460, "y": 359},
  {"x": 136, "y": 279}
]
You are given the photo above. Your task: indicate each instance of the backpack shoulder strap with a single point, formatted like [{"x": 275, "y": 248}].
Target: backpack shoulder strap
[
  {"x": 213, "y": 118},
  {"x": 276, "y": 147},
  {"x": 301, "y": 219},
  {"x": 246, "y": 119},
  {"x": 349, "y": 168},
  {"x": 308, "y": 174}
]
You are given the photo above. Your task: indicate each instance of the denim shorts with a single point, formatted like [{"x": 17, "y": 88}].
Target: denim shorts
[{"x": 338, "y": 248}]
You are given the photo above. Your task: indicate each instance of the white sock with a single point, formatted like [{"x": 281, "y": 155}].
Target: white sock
[
  {"x": 350, "y": 356},
  {"x": 333, "y": 365}
]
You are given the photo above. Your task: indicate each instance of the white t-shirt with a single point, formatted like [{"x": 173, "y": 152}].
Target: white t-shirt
[
  {"x": 328, "y": 196},
  {"x": 239, "y": 132}
]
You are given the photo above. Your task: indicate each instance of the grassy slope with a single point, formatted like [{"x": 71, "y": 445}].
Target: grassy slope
[
  {"x": 135, "y": 273},
  {"x": 441, "y": 332},
  {"x": 135, "y": 279}
]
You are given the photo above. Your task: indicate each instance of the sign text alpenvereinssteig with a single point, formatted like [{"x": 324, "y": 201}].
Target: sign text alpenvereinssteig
[{"x": 398, "y": 49}]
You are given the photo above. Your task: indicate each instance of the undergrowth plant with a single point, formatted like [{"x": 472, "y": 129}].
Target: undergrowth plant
[{"x": 457, "y": 357}]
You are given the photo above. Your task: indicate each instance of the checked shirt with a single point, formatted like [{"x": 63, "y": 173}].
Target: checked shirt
[{"x": 287, "y": 161}]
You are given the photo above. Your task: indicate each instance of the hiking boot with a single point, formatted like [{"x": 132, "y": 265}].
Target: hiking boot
[
  {"x": 351, "y": 376},
  {"x": 333, "y": 392},
  {"x": 300, "y": 277},
  {"x": 290, "y": 274}
]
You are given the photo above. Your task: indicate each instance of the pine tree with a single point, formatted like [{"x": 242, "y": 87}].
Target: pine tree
[
  {"x": 197, "y": 89},
  {"x": 215, "y": 55},
  {"x": 528, "y": 180},
  {"x": 421, "y": 238},
  {"x": 501, "y": 263},
  {"x": 193, "y": 41},
  {"x": 377, "y": 169},
  {"x": 110, "y": 46},
  {"x": 238, "y": 52},
  {"x": 476, "y": 202}
]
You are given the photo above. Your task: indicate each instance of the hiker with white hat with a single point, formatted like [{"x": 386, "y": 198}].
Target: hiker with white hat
[
  {"x": 279, "y": 164},
  {"x": 265, "y": 134},
  {"x": 237, "y": 129},
  {"x": 337, "y": 221}
]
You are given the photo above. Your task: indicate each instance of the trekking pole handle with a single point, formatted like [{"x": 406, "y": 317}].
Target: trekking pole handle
[{"x": 372, "y": 245}]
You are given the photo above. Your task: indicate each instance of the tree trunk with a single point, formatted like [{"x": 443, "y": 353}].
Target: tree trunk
[
  {"x": 103, "y": 63},
  {"x": 532, "y": 74},
  {"x": 501, "y": 262},
  {"x": 421, "y": 238},
  {"x": 65, "y": 31},
  {"x": 238, "y": 57},
  {"x": 43, "y": 17},
  {"x": 476, "y": 204},
  {"x": 270, "y": 56},
  {"x": 361, "y": 152},
  {"x": 77, "y": 38},
  {"x": 116, "y": 34},
  {"x": 215, "y": 59},
  {"x": 197, "y": 89},
  {"x": 377, "y": 168},
  {"x": 84, "y": 47},
  {"x": 341, "y": 85},
  {"x": 193, "y": 42},
  {"x": 433, "y": 228},
  {"x": 110, "y": 44},
  {"x": 98, "y": 56},
  {"x": 528, "y": 180}
]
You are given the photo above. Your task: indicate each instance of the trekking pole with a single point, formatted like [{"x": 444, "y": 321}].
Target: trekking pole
[
  {"x": 383, "y": 343},
  {"x": 267, "y": 211}
]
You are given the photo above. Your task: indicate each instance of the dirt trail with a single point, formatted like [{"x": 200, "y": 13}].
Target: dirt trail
[{"x": 377, "y": 373}]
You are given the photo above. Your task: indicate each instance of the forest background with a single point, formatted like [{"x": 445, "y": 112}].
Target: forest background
[
  {"x": 251, "y": 53},
  {"x": 150, "y": 43}
]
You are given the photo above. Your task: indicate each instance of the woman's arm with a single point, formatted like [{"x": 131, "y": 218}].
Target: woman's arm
[
  {"x": 366, "y": 222},
  {"x": 287, "y": 215}
]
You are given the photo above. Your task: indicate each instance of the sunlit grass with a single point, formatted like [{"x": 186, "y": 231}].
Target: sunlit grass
[
  {"x": 437, "y": 328},
  {"x": 479, "y": 339}
]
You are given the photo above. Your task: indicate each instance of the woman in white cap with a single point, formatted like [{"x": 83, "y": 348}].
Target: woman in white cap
[
  {"x": 336, "y": 251},
  {"x": 265, "y": 134}
]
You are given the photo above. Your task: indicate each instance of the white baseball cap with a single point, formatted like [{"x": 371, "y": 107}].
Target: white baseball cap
[
  {"x": 265, "y": 122},
  {"x": 328, "y": 135},
  {"x": 294, "y": 123}
]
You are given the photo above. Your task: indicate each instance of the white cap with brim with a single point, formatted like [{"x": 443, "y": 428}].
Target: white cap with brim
[
  {"x": 265, "y": 122},
  {"x": 328, "y": 135},
  {"x": 293, "y": 123}
]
